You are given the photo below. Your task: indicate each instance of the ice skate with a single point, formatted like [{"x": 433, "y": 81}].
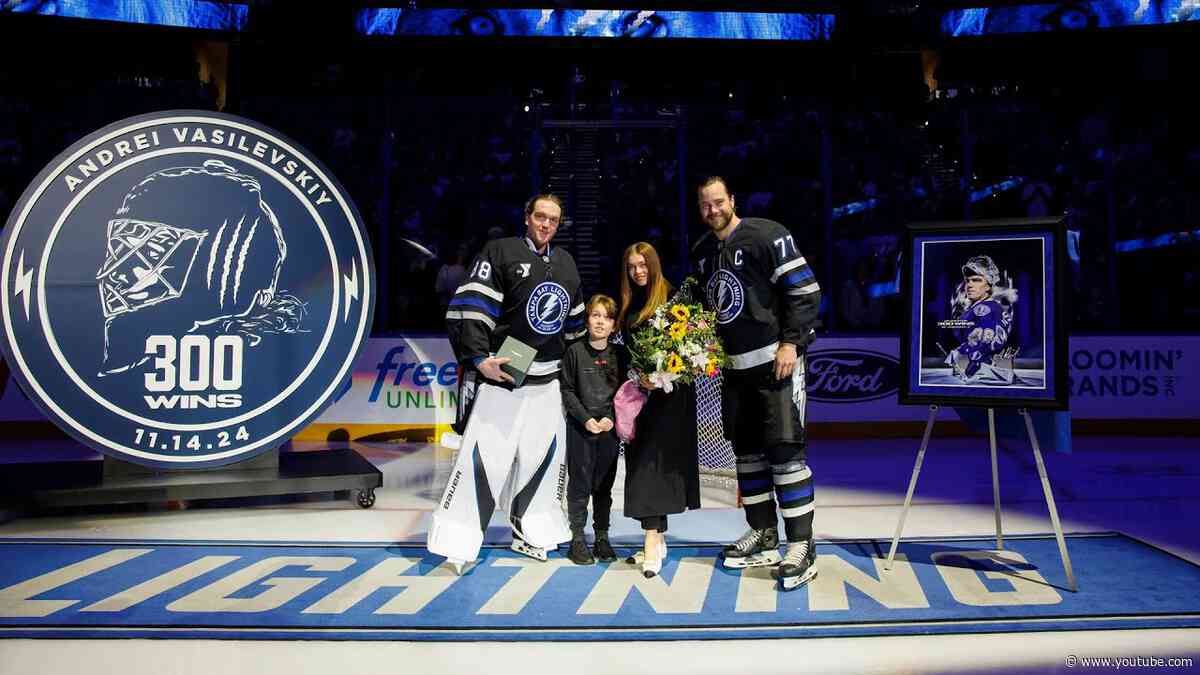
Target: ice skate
[
  {"x": 755, "y": 548},
  {"x": 799, "y": 565}
]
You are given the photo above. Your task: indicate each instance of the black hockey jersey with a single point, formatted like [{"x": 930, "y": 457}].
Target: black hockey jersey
[
  {"x": 761, "y": 289},
  {"x": 511, "y": 290}
]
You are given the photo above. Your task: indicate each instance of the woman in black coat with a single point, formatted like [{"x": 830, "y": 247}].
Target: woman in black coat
[{"x": 662, "y": 472}]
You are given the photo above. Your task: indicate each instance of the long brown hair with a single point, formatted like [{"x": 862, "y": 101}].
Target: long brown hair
[{"x": 657, "y": 288}]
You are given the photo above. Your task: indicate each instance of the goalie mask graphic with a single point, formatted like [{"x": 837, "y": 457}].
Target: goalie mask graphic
[
  {"x": 137, "y": 272},
  {"x": 177, "y": 265}
]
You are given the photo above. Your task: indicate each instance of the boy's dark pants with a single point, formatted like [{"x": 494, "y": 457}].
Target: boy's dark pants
[{"x": 591, "y": 469}]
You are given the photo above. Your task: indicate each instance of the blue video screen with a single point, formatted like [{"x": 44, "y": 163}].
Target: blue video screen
[
  {"x": 596, "y": 23},
  {"x": 207, "y": 14},
  {"x": 1068, "y": 16}
]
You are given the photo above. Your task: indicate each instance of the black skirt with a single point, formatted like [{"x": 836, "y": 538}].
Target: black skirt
[{"x": 662, "y": 471}]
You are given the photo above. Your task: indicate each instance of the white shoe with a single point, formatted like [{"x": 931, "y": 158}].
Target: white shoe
[
  {"x": 460, "y": 567},
  {"x": 651, "y": 568}
]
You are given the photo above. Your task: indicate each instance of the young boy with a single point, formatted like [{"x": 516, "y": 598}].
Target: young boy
[{"x": 589, "y": 379}]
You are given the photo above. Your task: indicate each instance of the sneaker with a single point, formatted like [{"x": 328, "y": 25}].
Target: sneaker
[
  {"x": 579, "y": 553},
  {"x": 799, "y": 565},
  {"x": 755, "y": 548},
  {"x": 603, "y": 549}
]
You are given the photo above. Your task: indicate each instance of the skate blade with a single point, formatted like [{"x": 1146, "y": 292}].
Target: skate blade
[
  {"x": 792, "y": 583},
  {"x": 531, "y": 551},
  {"x": 765, "y": 559}
]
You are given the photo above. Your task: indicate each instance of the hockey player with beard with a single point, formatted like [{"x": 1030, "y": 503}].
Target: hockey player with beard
[
  {"x": 766, "y": 300},
  {"x": 513, "y": 445},
  {"x": 982, "y": 318}
]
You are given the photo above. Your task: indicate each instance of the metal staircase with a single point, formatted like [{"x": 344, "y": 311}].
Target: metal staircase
[{"x": 575, "y": 176}]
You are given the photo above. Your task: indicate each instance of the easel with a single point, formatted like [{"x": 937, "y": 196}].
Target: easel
[{"x": 1041, "y": 467}]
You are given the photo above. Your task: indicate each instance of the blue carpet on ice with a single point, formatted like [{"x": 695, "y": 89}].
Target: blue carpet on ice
[{"x": 240, "y": 590}]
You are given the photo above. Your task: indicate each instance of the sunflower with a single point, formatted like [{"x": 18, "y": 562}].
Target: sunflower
[
  {"x": 711, "y": 369},
  {"x": 674, "y": 364},
  {"x": 680, "y": 312},
  {"x": 677, "y": 330}
]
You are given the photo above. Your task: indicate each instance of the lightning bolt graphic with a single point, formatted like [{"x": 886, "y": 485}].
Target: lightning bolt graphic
[
  {"x": 550, "y": 308},
  {"x": 351, "y": 288},
  {"x": 23, "y": 282}
]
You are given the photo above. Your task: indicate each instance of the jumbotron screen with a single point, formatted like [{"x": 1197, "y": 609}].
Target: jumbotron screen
[
  {"x": 1059, "y": 16},
  {"x": 206, "y": 14},
  {"x": 602, "y": 23}
]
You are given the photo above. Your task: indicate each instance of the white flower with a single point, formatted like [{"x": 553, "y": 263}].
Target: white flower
[
  {"x": 690, "y": 349},
  {"x": 699, "y": 360},
  {"x": 659, "y": 321},
  {"x": 664, "y": 380},
  {"x": 658, "y": 357}
]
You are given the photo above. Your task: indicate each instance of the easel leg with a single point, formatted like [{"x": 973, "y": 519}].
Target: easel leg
[
  {"x": 912, "y": 484},
  {"x": 995, "y": 477},
  {"x": 1058, "y": 531}
]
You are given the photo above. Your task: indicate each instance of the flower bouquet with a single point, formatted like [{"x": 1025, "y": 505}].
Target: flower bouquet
[{"x": 679, "y": 344}]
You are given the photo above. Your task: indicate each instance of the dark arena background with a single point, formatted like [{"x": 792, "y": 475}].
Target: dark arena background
[{"x": 844, "y": 121}]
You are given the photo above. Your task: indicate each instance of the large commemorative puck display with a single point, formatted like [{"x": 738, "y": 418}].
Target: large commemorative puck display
[{"x": 184, "y": 289}]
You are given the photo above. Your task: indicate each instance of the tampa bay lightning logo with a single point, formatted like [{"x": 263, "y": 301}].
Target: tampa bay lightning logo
[
  {"x": 982, "y": 310},
  {"x": 725, "y": 295},
  {"x": 184, "y": 289},
  {"x": 547, "y": 308}
]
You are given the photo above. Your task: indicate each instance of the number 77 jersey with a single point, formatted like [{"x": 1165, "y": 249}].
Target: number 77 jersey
[
  {"x": 761, "y": 289},
  {"x": 184, "y": 289}
]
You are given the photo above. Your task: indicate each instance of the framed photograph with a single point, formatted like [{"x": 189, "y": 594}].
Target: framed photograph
[{"x": 983, "y": 301}]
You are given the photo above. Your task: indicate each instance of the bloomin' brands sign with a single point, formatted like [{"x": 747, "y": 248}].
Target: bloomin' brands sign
[{"x": 1135, "y": 376}]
